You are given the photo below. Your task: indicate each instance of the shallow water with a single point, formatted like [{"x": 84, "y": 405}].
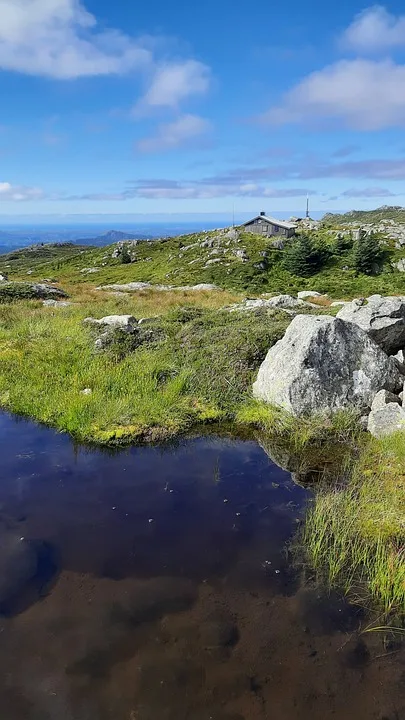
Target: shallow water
[{"x": 154, "y": 584}]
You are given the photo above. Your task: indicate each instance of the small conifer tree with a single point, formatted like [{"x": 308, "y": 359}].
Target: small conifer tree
[
  {"x": 303, "y": 257},
  {"x": 125, "y": 256},
  {"x": 367, "y": 254}
]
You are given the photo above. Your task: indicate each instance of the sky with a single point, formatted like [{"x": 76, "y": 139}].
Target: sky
[{"x": 116, "y": 108}]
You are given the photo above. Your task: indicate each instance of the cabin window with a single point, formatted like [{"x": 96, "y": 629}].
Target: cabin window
[{"x": 276, "y": 228}]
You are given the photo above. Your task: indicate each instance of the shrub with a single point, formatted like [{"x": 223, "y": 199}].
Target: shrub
[
  {"x": 304, "y": 256},
  {"x": 367, "y": 254}
]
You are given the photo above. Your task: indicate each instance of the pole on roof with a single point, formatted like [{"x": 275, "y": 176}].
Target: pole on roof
[{"x": 307, "y": 213}]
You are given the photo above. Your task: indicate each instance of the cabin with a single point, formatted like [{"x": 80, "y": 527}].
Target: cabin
[{"x": 270, "y": 227}]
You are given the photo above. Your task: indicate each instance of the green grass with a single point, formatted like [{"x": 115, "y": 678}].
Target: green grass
[
  {"x": 355, "y": 534},
  {"x": 199, "y": 368}
]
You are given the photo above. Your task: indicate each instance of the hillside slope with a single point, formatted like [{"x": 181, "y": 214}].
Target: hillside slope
[
  {"x": 394, "y": 213},
  {"x": 232, "y": 259}
]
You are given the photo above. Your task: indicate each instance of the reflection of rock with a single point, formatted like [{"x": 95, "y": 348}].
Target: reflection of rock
[
  {"x": 219, "y": 632},
  {"x": 158, "y": 597},
  {"x": 280, "y": 455},
  {"x": 18, "y": 565}
]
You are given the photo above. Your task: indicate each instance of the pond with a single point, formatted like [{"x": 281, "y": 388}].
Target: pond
[{"x": 156, "y": 584}]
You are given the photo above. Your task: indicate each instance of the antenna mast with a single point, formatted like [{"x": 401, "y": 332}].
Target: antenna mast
[{"x": 307, "y": 213}]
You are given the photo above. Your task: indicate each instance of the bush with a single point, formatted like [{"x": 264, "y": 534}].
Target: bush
[
  {"x": 367, "y": 254},
  {"x": 125, "y": 257},
  {"x": 304, "y": 257}
]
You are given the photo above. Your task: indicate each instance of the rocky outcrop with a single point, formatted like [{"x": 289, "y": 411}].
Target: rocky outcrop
[
  {"x": 110, "y": 324},
  {"x": 134, "y": 286},
  {"x": 283, "y": 302},
  {"x": 324, "y": 364},
  {"x": 304, "y": 294},
  {"x": 382, "y": 318},
  {"x": 400, "y": 265}
]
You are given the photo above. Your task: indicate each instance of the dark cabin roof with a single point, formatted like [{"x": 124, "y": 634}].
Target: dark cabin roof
[{"x": 272, "y": 221}]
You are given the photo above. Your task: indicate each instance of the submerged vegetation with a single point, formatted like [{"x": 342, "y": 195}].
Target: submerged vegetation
[{"x": 191, "y": 361}]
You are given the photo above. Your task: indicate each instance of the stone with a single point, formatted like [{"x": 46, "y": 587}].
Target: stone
[
  {"x": 383, "y": 318},
  {"x": 400, "y": 265},
  {"x": 304, "y": 294},
  {"x": 56, "y": 303},
  {"x": 324, "y": 364},
  {"x": 43, "y": 291},
  {"x": 383, "y": 398},
  {"x": 340, "y": 303},
  {"x": 18, "y": 565},
  {"x": 90, "y": 271},
  {"x": 363, "y": 422},
  {"x": 134, "y": 286},
  {"x": 87, "y": 391},
  {"x": 386, "y": 420},
  {"x": 3, "y": 278},
  {"x": 400, "y": 356},
  {"x": 127, "y": 323}
]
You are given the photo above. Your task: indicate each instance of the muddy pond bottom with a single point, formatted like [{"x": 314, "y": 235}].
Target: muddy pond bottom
[{"x": 156, "y": 584}]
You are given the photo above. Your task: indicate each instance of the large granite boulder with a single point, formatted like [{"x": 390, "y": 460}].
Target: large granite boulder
[
  {"x": 325, "y": 364},
  {"x": 383, "y": 318}
]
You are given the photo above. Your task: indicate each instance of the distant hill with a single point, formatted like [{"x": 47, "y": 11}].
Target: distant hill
[
  {"x": 112, "y": 236},
  {"x": 35, "y": 256},
  {"x": 386, "y": 212}
]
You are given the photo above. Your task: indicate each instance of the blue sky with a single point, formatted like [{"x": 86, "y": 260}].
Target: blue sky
[{"x": 157, "y": 107}]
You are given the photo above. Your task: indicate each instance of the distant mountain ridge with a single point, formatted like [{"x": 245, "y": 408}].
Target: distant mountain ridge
[
  {"x": 395, "y": 213},
  {"x": 113, "y": 236}
]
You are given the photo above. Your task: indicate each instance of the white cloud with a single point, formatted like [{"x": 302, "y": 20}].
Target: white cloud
[
  {"x": 374, "y": 30},
  {"x": 370, "y": 192},
  {"x": 60, "y": 39},
  {"x": 18, "y": 193},
  {"x": 174, "y": 82},
  {"x": 175, "y": 134},
  {"x": 361, "y": 94}
]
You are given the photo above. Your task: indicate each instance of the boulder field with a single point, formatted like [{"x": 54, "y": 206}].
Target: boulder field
[{"x": 324, "y": 364}]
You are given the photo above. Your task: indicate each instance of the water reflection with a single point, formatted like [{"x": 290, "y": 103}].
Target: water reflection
[{"x": 154, "y": 584}]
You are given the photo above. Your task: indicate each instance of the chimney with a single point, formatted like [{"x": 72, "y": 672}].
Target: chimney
[{"x": 262, "y": 214}]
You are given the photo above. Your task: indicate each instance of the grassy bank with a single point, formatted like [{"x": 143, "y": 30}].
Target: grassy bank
[
  {"x": 355, "y": 534},
  {"x": 193, "y": 363}
]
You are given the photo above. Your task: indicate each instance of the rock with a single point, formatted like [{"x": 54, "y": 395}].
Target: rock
[
  {"x": 400, "y": 265},
  {"x": 400, "y": 356},
  {"x": 283, "y": 302},
  {"x": 18, "y": 565},
  {"x": 43, "y": 291},
  {"x": 278, "y": 244},
  {"x": 382, "y": 399},
  {"x": 324, "y": 364},
  {"x": 3, "y": 278},
  {"x": 127, "y": 323},
  {"x": 340, "y": 303},
  {"x": 87, "y": 391},
  {"x": 383, "y": 318},
  {"x": 386, "y": 420},
  {"x": 134, "y": 286},
  {"x": 56, "y": 303},
  {"x": 89, "y": 271},
  {"x": 304, "y": 294}
]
